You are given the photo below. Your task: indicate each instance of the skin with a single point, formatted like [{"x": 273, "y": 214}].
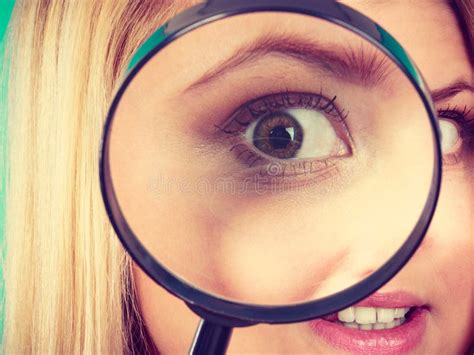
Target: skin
[{"x": 443, "y": 258}]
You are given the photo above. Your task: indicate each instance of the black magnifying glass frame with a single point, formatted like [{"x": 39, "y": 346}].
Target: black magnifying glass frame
[{"x": 221, "y": 315}]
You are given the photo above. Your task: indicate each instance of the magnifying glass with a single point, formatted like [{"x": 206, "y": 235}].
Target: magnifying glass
[{"x": 270, "y": 162}]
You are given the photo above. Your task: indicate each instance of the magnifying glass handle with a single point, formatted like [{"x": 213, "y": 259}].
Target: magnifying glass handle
[{"x": 210, "y": 339}]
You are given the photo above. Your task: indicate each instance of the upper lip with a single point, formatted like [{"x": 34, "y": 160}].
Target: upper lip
[{"x": 390, "y": 300}]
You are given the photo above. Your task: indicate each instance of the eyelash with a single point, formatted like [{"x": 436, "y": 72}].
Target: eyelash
[
  {"x": 454, "y": 112},
  {"x": 460, "y": 116},
  {"x": 273, "y": 102}
]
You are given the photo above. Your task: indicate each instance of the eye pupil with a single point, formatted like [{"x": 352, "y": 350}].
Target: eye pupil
[{"x": 279, "y": 137}]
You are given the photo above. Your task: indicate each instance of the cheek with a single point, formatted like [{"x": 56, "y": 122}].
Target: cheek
[
  {"x": 269, "y": 249},
  {"x": 453, "y": 223},
  {"x": 450, "y": 243}
]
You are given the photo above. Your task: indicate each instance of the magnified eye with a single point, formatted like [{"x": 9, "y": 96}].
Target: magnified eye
[
  {"x": 296, "y": 133},
  {"x": 303, "y": 131}
]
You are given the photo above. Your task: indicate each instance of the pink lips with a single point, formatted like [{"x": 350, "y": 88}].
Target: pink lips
[{"x": 397, "y": 340}]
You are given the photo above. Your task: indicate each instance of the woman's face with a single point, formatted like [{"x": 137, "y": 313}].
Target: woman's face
[{"x": 226, "y": 241}]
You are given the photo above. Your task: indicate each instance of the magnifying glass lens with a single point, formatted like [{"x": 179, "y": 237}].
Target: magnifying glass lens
[{"x": 271, "y": 158}]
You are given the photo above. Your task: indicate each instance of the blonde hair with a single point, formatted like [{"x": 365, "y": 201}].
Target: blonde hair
[{"x": 67, "y": 278}]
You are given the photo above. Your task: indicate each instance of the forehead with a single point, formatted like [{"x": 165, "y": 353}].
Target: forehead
[{"x": 428, "y": 30}]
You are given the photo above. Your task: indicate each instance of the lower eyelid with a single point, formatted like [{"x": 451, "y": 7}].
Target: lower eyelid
[
  {"x": 451, "y": 159},
  {"x": 267, "y": 171},
  {"x": 287, "y": 174}
]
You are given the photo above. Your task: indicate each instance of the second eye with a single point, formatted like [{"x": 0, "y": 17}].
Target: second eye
[{"x": 296, "y": 133}]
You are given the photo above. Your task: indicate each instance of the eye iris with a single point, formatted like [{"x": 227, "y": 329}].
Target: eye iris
[{"x": 278, "y": 135}]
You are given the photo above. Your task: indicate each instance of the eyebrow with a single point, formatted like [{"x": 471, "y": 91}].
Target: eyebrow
[
  {"x": 364, "y": 65},
  {"x": 451, "y": 90}
]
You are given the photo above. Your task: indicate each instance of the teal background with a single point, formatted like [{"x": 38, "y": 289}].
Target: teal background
[{"x": 6, "y": 7}]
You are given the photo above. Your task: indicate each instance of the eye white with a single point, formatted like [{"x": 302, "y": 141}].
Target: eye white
[
  {"x": 449, "y": 135},
  {"x": 320, "y": 140}
]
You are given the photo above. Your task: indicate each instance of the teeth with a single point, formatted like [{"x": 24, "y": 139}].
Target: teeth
[
  {"x": 368, "y": 318},
  {"x": 351, "y": 325},
  {"x": 365, "y": 315},
  {"x": 400, "y": 312},
  {"x": 393, "y": 324},
  {"x": 375, "y": 326},
  {"x": 346, "y": 315},
  {"x": 385, "y": 315},
  {"x": 378, "y": 326}
]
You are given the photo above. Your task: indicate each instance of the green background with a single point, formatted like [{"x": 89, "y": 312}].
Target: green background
[{"x": 6, "y": 7}]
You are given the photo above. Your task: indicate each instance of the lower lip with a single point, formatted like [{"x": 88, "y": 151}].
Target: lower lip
[{"x": 397, "y": 340}]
